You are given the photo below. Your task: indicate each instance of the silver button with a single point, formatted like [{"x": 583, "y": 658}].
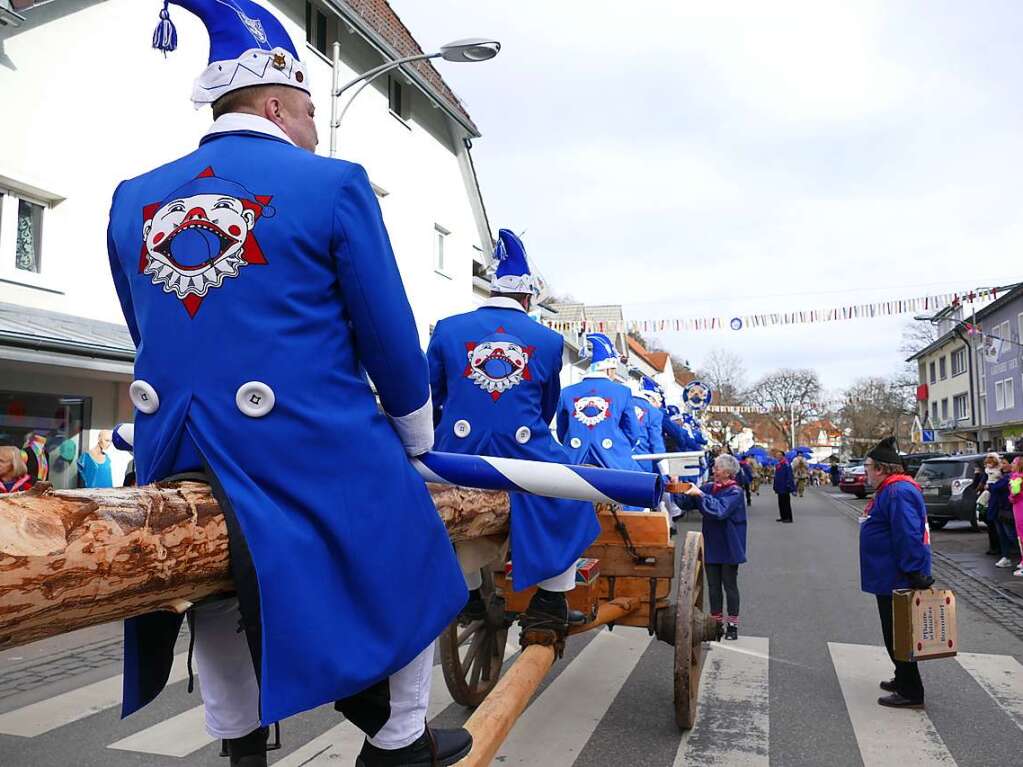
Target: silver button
[
  {"x": 575, "y": 442},
  {"x": 523, "y": 435},
  {"x": 462, "y": 429},
  {"x": 255, "y": 399},
  {"x": 606, "y": 443},
  {"x": 143, "y": 397}
]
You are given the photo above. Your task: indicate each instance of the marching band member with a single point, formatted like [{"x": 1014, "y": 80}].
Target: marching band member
[
  {"x": 266, "y": 286},
  {"x": 495, "y": 378},
  {"x": 596, "y": 419},
  {"x": 647, "y": 406}
]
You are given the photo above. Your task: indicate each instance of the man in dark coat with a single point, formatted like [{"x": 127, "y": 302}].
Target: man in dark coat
[
  {"x": 784, "y": 486},
  {"x": 895, "y": 553}
]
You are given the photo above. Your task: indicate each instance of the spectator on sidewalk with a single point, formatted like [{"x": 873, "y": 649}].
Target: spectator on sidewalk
[
  {"x": 14, "y": 476},
  {"x": 723, "y": 508},
  {"x": 1000, "y": 508},
  {"x": 784, "y": 486},
  {"x": 895, "y": 553},
  {"x": 983, "y": 496},
  {"x": 1016, "y": 499},
  {"x": 746, "y": 480}
]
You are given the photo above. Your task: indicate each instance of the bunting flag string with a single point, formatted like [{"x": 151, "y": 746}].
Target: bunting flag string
[{"x": 887, "y": 308}]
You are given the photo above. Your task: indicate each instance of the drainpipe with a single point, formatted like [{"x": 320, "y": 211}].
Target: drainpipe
[{"x": 969, "y": 372}]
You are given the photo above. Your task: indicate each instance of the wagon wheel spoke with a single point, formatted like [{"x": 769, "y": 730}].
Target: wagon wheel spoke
[
  {"x": 477, "y": 666},
  {"x": 474, "y": 649},
  {"x": 469, "y": 630}
]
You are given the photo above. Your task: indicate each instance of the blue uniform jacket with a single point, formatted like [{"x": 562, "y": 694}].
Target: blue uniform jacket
[
  {"x": 724, "y": 522},
  {"x": 651, "y": 431},
  {"x": 262, "y": 262},
  {"x": 597, "y": 423},
  {"x": 495, "y": 373},
  {"x": 784, "y": 482},
  {"x": 745, "y": 475},
  {"x": 894, "y": 539},
  {"x": 678, "y": 438}
]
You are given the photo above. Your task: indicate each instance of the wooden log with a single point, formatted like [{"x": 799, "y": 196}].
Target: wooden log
[{"x": 70, "y": 559}]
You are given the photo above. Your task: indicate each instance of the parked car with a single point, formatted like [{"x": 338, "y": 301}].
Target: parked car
[
  {"x": 946, "y": 482},
  {"x": 854, "y": 480},
  {"x": 912, "y": 461}
]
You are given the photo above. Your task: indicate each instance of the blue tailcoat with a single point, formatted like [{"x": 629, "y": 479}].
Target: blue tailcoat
[
  {"x": 682, "y": 440},
  {"x": 597, "y": 423},
  {"x": 784, "y": 481},
  {"x": 494, "y": 373},
  {"x": 651, "y": 430},
  {"x": 894, "y": 539},
  {"x": 724, "y": 522},
  {"x": 355, "y": 572}
]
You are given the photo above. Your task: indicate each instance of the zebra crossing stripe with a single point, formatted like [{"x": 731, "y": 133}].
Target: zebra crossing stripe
[
  {"x": 1001, "y": 677},
  {"x": 556, "y": 726},
  {"x": 178, "y": 736},
  {"x": 885, "y": 736},
  {"x": 733, "y": 716},
  {"x": 39, "y": 718}
]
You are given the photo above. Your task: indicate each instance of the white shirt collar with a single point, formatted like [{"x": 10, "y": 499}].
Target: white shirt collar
[
  {"x": 596, "y": 374},
  {"x": 236, "y": 121},
  {"x": 503, "y": 302}
]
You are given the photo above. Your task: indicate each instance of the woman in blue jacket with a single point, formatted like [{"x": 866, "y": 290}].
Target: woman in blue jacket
[{"x": 723, "y": 507}]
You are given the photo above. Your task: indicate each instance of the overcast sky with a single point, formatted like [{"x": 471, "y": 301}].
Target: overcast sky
[{"x": 688, "y": 160}]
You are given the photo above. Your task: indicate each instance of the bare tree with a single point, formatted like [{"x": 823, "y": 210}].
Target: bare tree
[
  {"x": 876, "y": 407},
  {"x": 726, "y": 374},
  {"x": 789, "y": 398},
  {"x": 917, "y": 334}
]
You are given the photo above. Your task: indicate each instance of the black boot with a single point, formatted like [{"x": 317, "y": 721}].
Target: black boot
[
  {"x": 435, "y": 748},
  {"x": 888, "y": 685},
  {"x": 732, "y": 632},
  {"x": 550, "y": 607},
  {"x": 898, "y": 701},
  {"x": 249, "y": 750},
  {"x": 475, "y": 609}
]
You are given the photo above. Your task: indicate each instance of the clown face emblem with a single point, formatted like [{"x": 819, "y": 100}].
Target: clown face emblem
[
  {"x": 591, "y": 410},
  {"x": 201, "y": 234},
  {"x": 498, "y": 363},
  {"x": 640, "y": 413}
]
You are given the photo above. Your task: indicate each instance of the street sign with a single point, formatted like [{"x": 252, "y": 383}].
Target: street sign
[{"x": 928, "y": 435}]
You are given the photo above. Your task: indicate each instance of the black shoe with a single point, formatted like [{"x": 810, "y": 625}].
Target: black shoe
[
  {"x": 672, "y": 529},
  {"x": 249, "y": 750},
  {"x": 434, "y": 747},
  {"x": 897, "y": 701},
  {"x": 888, "y": 685},
  {"x": 732, "y": 632},
  {"x": 475, "y": 609},
  {"x": 991, "y": 553},
  {"x": 779, "y": 519},
  {"x": 551, "y": 607},
  {"x": 787, "y": 521}
]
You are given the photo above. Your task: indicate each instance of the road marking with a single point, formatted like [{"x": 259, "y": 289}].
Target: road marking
[
  {"x": 1001, "y": 676},
  {"x": 39, "y": 718},
  {"x": 556, "y": 726},
  {"x": 178, "y": 736},
  {"x": 886, "y": 736},
  {"x": 733, "y": 716}
]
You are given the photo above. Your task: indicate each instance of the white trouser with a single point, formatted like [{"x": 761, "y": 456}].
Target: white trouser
[
  {"x": 230, "y": 692},
  {"x": 477, "y": 554}
]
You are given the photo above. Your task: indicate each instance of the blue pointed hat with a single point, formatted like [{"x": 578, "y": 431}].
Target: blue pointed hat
[
  {"x": 649, "y": 389},
  {"x": 514, "y": 272},
  {"x": 603, "y": 355},
  {"x": 248, "y": 46}
]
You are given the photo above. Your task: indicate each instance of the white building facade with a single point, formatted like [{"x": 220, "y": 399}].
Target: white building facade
[{"x": 88, "y": 103}]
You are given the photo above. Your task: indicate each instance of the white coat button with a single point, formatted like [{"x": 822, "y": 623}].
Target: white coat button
[
  {"x": 606, "y": 444},
  {"x": 523, "y": 435},
  {"x": 462, "y": 429},
  {"x": 255, "y": 399},
  {"x": 143, "y": 397},
  {"x": 575, "y": 442}
]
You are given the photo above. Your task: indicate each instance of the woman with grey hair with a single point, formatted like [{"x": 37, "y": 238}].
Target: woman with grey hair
[{"x": 723, "y": 507}]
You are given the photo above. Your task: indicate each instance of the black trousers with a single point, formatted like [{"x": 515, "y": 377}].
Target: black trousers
[
  {"x": 749, "y": 495},
  {"x": 785, "y": 506},
  {"x": 907, "y": 675},
  {"x": 727, "y": 576}
]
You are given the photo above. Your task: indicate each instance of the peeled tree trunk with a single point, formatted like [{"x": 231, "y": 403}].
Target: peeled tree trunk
[{"x": 70, "y": 559}]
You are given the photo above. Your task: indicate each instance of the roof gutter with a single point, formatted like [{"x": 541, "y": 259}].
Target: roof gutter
[
  {"x": 39, "y": 343},
  {"x": 353, "y": 19},
  {"x": 9, "y": 17}
]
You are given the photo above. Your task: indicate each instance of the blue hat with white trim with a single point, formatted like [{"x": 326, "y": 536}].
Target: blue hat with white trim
[
  {"x": 248, "y": 46},
  {"x": 514, "y": 272},
  {"x": 603, "y": 355}
]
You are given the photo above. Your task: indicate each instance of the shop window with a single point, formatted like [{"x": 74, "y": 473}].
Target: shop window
[{"x": 49, "y": 430}]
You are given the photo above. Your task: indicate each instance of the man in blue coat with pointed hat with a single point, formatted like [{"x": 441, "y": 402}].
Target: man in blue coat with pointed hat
[
  {"x": 495, "y": 378},
  {"x": 596, "y": 418},
  {"x": 647, "y": 406},
  {"x": 258, "y": 283}
]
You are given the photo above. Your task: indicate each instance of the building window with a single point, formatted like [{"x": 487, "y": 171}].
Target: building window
[
  {"x": 934, "y": 376},
  {"x": 397, "y": 98},
  {"x": 981, "y": 372},
  {"x": 942, "y": 369},
  {"x": 49, "y": 430},
  {"x": 440, "y": 236},
  {"x": 1010, "y": 397},
  {"x": 944, "y": 409},
  {"x": 934, "y": 411},
  {"x": 982, "y": 408},
  {"x": 959, "y": 362},
  {"x": 21, "y": 233},
  {"x": 961, "y": 407},
  {"x": 317, "y": 27}
]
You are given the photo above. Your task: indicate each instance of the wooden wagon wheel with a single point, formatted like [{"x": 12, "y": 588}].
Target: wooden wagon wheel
[
  {"x": 693, "y": 627},
  {"x": 471, "y": 656}
]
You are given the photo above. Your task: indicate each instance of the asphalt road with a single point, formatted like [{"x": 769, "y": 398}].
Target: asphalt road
[{"x": 799, "y": 688}]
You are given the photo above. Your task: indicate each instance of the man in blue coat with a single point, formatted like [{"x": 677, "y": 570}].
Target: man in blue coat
[
  {"x": 495, "y": 378},
  {"x": 895, "y": 553},
  {"x": 597, "y": 421},
  {"x": 647, "y": 405},
  {"x": 258, "y": 283},
  {"x": 784, "y": 486}
]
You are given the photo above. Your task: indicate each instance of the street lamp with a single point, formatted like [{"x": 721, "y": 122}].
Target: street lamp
[{"x": 470, "y": 50}]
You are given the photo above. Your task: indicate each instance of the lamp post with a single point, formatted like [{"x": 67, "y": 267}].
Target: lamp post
[{"x": 470, "y": 50}]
